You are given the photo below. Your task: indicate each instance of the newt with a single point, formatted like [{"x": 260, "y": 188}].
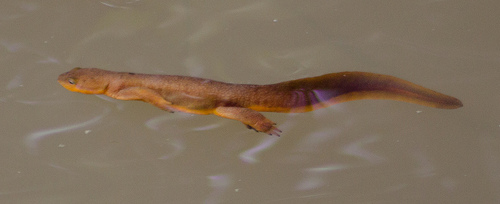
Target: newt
[{"x": 244, "y": 102}]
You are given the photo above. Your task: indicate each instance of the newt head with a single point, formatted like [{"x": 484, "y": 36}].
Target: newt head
[{"x": 85, "y": 80}]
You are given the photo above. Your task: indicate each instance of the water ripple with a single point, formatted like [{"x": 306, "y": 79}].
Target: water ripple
[
  {"x": 33, "y": 139},
  {"x": 250, "y": 156}
]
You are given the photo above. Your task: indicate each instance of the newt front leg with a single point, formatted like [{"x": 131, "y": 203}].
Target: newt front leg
[
  {"x": 143, "y": 94},
  {"x": 253, "y": 119}
]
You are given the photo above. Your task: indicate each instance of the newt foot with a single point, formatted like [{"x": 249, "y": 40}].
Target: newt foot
[{"x": 272, "y": 130}]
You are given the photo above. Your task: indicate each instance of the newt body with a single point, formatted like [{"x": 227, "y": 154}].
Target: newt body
[{"x": 243, "y": 102}]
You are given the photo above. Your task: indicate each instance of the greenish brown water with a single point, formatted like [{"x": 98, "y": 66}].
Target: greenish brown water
[{"x": 63, "y": 147}]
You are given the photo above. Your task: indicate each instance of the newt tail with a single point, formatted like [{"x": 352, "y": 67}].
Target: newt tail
[
  {"x": 308, "y": 94},
  {"x": 243, "y": 102}
]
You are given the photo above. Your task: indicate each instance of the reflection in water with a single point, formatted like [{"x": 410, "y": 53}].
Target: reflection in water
[
  {"x": 317, "y": 98},
  {"x": 490, "y": 153},
  {"x": 208, "y": 29},
  {"x": 49, "y": 60},
  {"x": 319, "y": 137},
  {"x": 11, "y": 46},
  {"x": 119, "y": 106},
  {"x": 194, "y": 66},
  {"x": 425, "y": 167},
  {"x": 315, "y": 177},
  {"x": 312, "y": 99},
  {"x": 219, "y": 184},
  {"x": 157, "y": 122},
  {"x": 116, "y": 4},
  {"x": 250, "y": 8},
  {"x": 18, "y": 47},
  {"x": 449, "y": 184},
  {"x": 62, "y": 169},
  {"x": 15, "y": 82},
  {"x": 177, "y": 144},
  {"x": 117, "y": 24},
  {"x": 206, "y": 127},
  {"x": 178, "y": 14},
  {"x": 33, "y": 139},
  {"x": 356, "y": 149},
  {"x": 250, "y": 156},
  {"x": 215, "y": 25},
  {"x": 178, "y": 148}
]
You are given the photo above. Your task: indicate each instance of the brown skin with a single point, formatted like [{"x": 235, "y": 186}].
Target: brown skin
[{"x": 243, "y": 102}]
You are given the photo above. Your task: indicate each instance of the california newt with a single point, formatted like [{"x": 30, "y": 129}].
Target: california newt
[{"x": 243, "y": 102}]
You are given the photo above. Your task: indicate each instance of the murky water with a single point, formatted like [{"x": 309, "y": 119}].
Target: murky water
[{"x": 64, "y": 147}]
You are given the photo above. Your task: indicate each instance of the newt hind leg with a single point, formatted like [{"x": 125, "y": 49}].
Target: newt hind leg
[{"x": 252, "y": 119}]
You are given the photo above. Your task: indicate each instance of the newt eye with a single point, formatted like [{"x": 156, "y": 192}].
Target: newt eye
[{"x": 71, "y": 81}]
